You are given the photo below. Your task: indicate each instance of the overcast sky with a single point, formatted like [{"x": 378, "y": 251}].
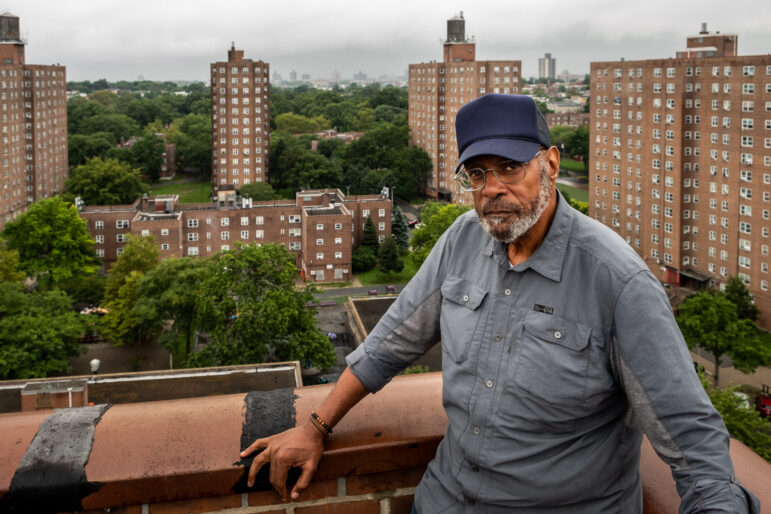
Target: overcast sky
[{"x": 176, "y": 40}]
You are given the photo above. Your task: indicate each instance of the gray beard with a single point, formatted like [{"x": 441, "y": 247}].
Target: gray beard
[{"x": 525, "y": 216}]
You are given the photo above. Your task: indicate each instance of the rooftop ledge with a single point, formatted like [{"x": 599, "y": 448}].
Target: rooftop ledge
[{"x": 182, "y": 455}]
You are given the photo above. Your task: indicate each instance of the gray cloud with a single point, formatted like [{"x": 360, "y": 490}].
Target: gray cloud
[{"x": 177, "y": 40}]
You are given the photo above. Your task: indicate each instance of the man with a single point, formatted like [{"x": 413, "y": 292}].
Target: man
[{"x": 559, "y": 350}]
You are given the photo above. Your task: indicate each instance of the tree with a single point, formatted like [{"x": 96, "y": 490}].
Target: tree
[
  {"x": 436, "y": 218},
  {"x": 38, "y": 332},
  {"x": 124, "y": 323},
  {"x": 710, "y": 321},
  {"x": 172, "y": 291},
  {"x": 192, "y": 136},
  {"x": 363, "y": 259},
  {"x": 253, "y": 310},
  {"x": 578, "y": 144},
  {"x": 104, "y": 182},
  {"x": 744, "y": 424},
  {"x": 399, "y": 229},
  {"x": 298, "y": 124},
  {"x": 736, "y": 293},
  {"x": 147, "y": 155},
  {"x": 258, "y": 191},
  {"x": 140, "y": 255},
  {"x": 388, "y": 258},
  {"x": 52, "y": 241},
  {"x": 83, "y": 147},
  {"x": 119, "y": 125},
  {"x": 9, "y": 266},
  {"x": 369, "y": 236}
]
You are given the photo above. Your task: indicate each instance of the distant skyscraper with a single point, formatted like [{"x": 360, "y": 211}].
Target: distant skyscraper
[
  {"x": 240, "y": 121},
  {"x": 680, "y": 162},
  {"x": 33, "y": 123},
  {"x": 293, "y": 76},
  {"x": 547, "y": 67},
  {"x": 438, "y": 89}
]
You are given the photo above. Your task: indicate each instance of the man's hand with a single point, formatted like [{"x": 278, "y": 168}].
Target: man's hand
[{"x": 299, "y": 447}]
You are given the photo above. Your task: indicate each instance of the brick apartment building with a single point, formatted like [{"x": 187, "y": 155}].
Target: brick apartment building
[
  {"x": 33, "y": 119},
  {"x": 568, "y": 119},
  {"x": 681, "y": 162},
  {"x": 321, "y": 227},
  {"x": 437, "y": 90},
  {"x": 240, "y": 121}
]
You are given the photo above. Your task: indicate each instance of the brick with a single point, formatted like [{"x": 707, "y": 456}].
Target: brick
[
  {"x": 402, "y": 504},
  {"x": 198, "y": 505},
  {"x": 384, "y": 481},
  {"x": 316, "y": 491},
  {"x": 354, "y": 507},
  {"x": 264, "y": 498}
]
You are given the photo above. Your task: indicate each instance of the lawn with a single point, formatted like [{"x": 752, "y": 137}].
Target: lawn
[
  {"x": 572, "y": 165},
  {"x": 581, "y": 195},
  {"x": 189, "y": 192},
  {"x": 375, "y": 277}
]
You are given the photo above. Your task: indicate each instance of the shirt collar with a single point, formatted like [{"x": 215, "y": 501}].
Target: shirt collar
[{"x": 549, "y": 257}]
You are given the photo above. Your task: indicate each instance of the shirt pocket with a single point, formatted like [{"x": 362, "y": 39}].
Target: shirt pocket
[
  {"x": 552, "y": 361},
  {"x": 460, "y": 315}
]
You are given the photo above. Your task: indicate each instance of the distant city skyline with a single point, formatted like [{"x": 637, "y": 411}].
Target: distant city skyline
[{"x": 174, "y": 41}]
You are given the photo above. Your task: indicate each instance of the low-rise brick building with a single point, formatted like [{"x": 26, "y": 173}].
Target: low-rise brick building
[{"x": 321, "y": 227}]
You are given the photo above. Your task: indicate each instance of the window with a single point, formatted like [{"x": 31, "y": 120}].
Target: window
[
  {"x": 244, "y": 221},
  {"x": 338, "y": 255},
  {"x": 193, "y": 236},
  {"x": 192, "y": 223},
  {"x": 259, "y": 220},
  {"x": 320, "y": 256},
  {"x": 319, "y": 226},
  {"x": 294, "y": 218},
  {"x": 381, "y": 225},
  {"x": 244, "y": 234},
  {"x": 122, "y": 224},
  {"x": 99, "y": 225},
  {"x": 319, "y": 242},
  {"x": 192, "y": 250},
  {"x": 164, "y": 232},
  {"x": 99, "y": 239},
  {"x": 338, "y": 226},
  {"x": 338, "y": 240},
  {"x": 295, "y": 245},
  {"x": 121, "y": 238},
  {"x": 224, "y": 222},
  {"x": 224, "y": 235}
]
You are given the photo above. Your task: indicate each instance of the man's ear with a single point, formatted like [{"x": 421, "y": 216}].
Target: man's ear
[{"x": 552, "y": 156}]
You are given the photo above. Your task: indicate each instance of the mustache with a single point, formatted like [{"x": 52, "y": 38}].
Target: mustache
[{"x": 498, "y": 205}]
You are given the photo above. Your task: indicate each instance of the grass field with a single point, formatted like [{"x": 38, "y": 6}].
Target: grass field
[
  {"x": 579, "y": 194},
  {"x": 189, "y": 192},
  {"x": 571, "y": 165},
  {"x": 375, "y": 277}
]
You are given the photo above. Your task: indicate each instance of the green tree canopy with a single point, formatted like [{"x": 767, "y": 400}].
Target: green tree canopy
[
  {"x": 258, "y": 191},
  {"x": 192, "y": 136},
  {"x": 710, "y": 321},
  {"x": 147, "y": 155},
  {"x": 52, "y": 241},
  {"x": 38, "y": 332},
  {"x": 104, "y": 182},
  {"x": 736, "y": 293},
  {"x": 82, "y": 147},
  {"x": 140, "y": 255},
  {"x": 400, "y": 229},
  {"x": 369, "y": 236},
  {"x": 388, "y": 259},
  {"x": 253, "y": 309},
  {"x": 9, "y": 265},
  {"x": 299, "y": 124},
  {"x": 120, "y": 125},
  {"x": 436, "y": 217}
]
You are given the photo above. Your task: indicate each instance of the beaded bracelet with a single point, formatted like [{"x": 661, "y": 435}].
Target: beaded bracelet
[{"x": 315, "y": 417}]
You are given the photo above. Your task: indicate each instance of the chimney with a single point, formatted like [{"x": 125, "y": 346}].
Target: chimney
[{"x": 704, "y": 28}]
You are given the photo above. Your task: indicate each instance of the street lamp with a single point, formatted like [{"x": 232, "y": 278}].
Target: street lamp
[{"x": 95, "y": 366}]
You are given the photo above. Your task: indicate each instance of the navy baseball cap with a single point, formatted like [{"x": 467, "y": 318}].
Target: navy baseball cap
[{"x": 510, "y": 126}]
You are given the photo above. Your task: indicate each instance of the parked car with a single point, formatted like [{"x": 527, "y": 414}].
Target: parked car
[
  {"x": 413, "y": 223},
  {"x": 763, "y": 404}
]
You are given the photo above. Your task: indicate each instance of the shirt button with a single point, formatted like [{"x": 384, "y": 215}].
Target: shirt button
[
  {"x": 475, "y": 469},
  {"x": 489, "y": 383},
  {"x": 465, "y": 297},
  {"x": 557, "y": 334},
  {"x": 476, "y": 430},
  {"x": 498, "y": 337},
  {"x": 507, "y": 292}
]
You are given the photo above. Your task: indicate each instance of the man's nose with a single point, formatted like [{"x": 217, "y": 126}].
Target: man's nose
[{"x": 493, "y": 187}]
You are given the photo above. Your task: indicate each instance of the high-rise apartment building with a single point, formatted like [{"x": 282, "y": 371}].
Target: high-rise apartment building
[
  {"x": 547, "y": 67},
  {"x": 681, "y": 162},
  {"x": 33, "y": 121},
  {"x": 437, "y": 90},
  {"x": 240, "y": 121}
]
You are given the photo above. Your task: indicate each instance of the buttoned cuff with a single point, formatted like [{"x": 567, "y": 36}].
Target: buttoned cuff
[{"x": 373, "y": 369}]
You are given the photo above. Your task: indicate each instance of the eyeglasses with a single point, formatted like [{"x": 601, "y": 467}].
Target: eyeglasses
[{"x": 508, "y": 172}]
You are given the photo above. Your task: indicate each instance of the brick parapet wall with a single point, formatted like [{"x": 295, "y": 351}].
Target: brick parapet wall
[{"x": 182, "y": 455}]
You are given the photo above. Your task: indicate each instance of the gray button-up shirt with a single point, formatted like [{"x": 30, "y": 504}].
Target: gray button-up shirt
[{"x": 552, "y": 369}]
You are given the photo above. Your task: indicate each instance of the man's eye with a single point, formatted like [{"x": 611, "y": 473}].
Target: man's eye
[
  {"x": 475, "y": 173},
  {"x": 511, "y": 167}
]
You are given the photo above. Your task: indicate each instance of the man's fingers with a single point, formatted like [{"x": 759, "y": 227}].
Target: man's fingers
[
  {"x": 278, "y": 473},
  {"x": 256, "y": 445},
  {"x": 257, "y": 463},
  {"x": 304, "y": 481}
]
